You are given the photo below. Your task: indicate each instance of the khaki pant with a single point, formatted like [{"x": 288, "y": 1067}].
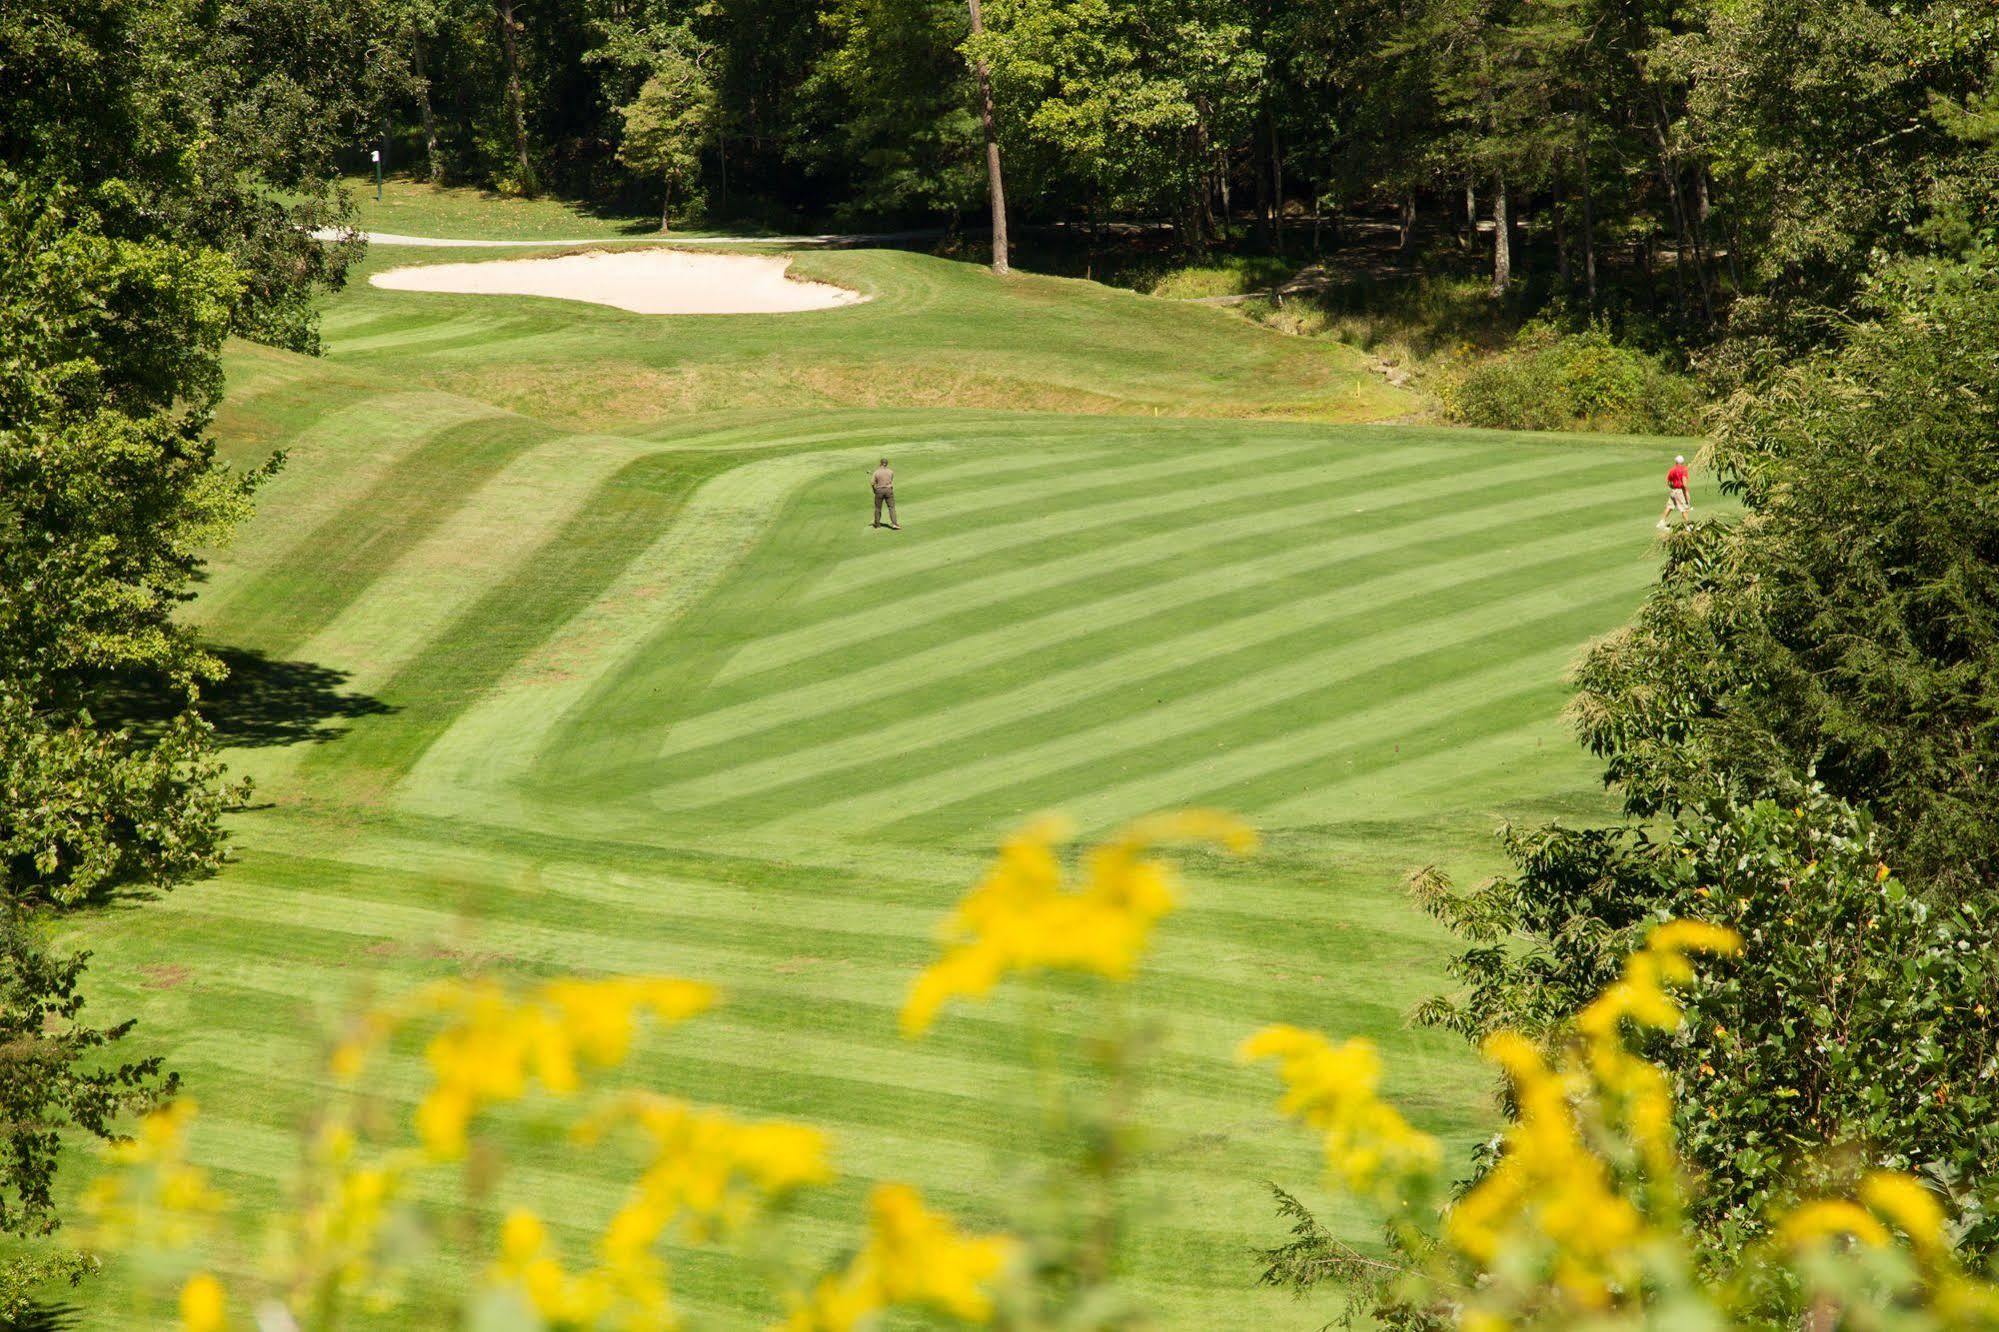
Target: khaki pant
[{"x": 885, "y": 497}]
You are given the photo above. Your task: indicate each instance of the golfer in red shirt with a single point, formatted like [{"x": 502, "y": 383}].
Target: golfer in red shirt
[{"x": 1676, "y": 493}]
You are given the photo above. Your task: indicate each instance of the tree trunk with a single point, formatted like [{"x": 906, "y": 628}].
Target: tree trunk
[
  {"x": 1516, "y": 240},
  {"x": 1589, "y": 213},
  {"x": 1734, "y": 245},
  {"x": 1262, "y": 193},
  {"x": 1687, "y": 241},
  {"x": 516, "y": 103},
  {"x": 1560, "y": 207},
  {"x": 432, "y": 162},
  {"x": 1407, "y": 238},
  {"x": 666, "y": 210},
  {"x": 1276, "y": 184},
  {"x": 1471, "y": 214},
  {"x": 1502, "y": 239},
  {"x": 995, "y": 183}
]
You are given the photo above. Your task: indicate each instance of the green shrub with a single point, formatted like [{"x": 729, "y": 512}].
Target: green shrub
[{"x": 1572, "y": 381}]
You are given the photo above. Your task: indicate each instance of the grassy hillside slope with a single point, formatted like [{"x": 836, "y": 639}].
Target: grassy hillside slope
[{"x": 564, "y": 645}]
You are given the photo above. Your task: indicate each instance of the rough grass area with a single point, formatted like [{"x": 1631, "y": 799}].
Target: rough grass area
[
  {"x": 1233, "y": 275},
  {"x": 550, "y": 664},
  {"x": 411, "y": 207},
  {"x": 1482, "y": 362}
]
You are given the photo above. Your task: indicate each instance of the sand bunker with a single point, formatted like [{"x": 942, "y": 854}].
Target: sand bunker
[{"x": 643, "y": 281}]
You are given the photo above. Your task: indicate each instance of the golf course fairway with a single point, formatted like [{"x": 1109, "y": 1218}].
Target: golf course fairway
[{"x": 564, "y": 645}]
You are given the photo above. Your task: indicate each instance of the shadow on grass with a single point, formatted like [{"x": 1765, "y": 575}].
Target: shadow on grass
[
  {"x": 263, "y": 703},
  {"x": 41, "y": 1318},
  {"x": 266, "y": 702}
]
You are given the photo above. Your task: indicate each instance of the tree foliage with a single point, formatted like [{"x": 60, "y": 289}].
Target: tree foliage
[
  {"x": 667, "y": 125},
  {"x": 1849, "y": 624},
  {"x": 1858, "y": 1031},
  {"x": 1800, "y": 720}
]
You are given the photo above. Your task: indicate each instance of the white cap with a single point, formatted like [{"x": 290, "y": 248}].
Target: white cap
[{"x": 1679, "y": 457}]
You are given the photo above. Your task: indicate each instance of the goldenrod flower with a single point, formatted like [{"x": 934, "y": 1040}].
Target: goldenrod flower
[
  {"x": 1832, "y": 1218},
  {"x": 1910, "y": 1206},
  {"x": 1333, "y": 1089},
  {"x": 526, "y": 1265},
  {"x": 203, "y": 1305},
  {"x": 154, "y": 1198},
  {"x": 493, "y": 1046},
  {"x": 1022, "y": 918},
  {"x": 708, "y": 1170},
  {"x": 912, "y": 1257}
]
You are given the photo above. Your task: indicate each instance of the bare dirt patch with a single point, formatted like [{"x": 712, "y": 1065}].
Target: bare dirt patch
[
  {"x": 163, "y": 976},
  {"x": 666, "y": 282}
]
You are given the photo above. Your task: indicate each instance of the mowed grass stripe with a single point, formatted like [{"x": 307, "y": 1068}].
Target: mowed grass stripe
[
  {"x": 532, "y": 876},
  {"x": 1460, "y": 710},
  {"x": 1087, "y": 487},
  {"x": 890, "y": 1086},
  {"x": 504, "y": 523},
  {"x": 297, "y": 595},
  {"x": 429, "y": 334},
  {"x": 822, "y": 949},
  {"x": 913, "y": 671},
  {"x": 1365, "y": 597},
  {"x": 323, "y": 475},
  {"x": 736, "y": 512},
  {"x": 672, "y": 668},
  {"x": 962, "y": 587},
  {"x": 519, "y": 615},
  {"x": 1251, "y": 559},
  {"x": 1077, "y": 762},
  {"x": 857, "y": 574},
  {"x": 718, "y": 525},
  {"x": 761, "y": 1027},
  {"x": 1462, "y": 775},
  {"x": 1277, "y": 749}
]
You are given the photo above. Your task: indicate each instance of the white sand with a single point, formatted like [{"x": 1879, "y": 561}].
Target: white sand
[{"x": 642, "y": 281}]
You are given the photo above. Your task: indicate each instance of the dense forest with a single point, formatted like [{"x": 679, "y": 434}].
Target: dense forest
[{"x": 1772, "y": 151}]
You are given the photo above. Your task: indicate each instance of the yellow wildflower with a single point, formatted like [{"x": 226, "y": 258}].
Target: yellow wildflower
[
  {"x": 707, "y": 1172},
  {"x": 155, "y": 1198},
  {"x": 493, "y": 1046},
  {"x": 526, "y": 1265},
  {"x": 1640, "y": 994},
  {"x": 1549, "y": 1185},
  {"x": 1334, "y": 1090},
  {"x": 1021, "y": 917},
  {"x": 1910, "y": 1206},
  {"x": 912, "y": 1257},
  {"x": 203, "y": 1306},
  {"x": 1830, "y": 1218}
]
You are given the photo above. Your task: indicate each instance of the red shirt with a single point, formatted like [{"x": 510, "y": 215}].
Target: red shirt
[{"x": 1676, "y": 476}]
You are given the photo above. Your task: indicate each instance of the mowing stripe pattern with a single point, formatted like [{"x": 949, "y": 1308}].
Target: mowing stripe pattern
[{"x": 661, "y": 700}]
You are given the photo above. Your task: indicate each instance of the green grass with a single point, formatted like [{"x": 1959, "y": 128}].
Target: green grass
[
  {"x": 936, "y": 334},
  {"x": 658, "y": 700},
  {"x": 411, "y": 207}
]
